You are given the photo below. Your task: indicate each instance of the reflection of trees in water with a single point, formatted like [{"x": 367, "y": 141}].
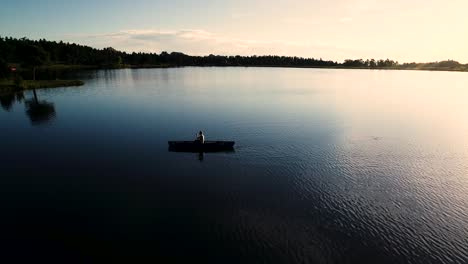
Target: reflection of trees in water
[
  {"x": 7, "y": 100},
  {"x": 39, "y": 112}
]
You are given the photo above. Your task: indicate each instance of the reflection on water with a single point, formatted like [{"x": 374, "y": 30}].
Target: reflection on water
[
  {"x": 7, "y": 100},
  {"x": 40, "y": 112},
  {"x": 330, "y": 166}
]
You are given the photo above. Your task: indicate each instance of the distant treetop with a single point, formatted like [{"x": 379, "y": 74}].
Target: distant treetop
[{"x": 33, "y": 53}]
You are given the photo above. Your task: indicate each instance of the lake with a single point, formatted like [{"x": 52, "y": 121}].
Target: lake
[{"x": 330, "y": 166}]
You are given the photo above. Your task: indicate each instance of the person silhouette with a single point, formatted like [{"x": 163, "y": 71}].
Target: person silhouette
[{"x": 200, "y": 137}]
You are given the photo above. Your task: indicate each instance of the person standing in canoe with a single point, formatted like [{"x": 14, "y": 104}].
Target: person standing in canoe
[{"x": 200, "y": 137}]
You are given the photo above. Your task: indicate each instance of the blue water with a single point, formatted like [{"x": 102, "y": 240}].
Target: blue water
[{"x": 330, "y": 166}]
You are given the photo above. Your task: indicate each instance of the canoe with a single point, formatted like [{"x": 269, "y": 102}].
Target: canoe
[{"x": 195, "y": 146}]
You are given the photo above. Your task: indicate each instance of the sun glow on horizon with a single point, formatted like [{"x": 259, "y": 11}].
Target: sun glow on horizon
[{"x": 406, "y": 31}]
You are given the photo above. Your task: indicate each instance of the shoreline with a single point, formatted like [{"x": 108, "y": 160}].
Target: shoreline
[
  {"x": 135, "y": 67},
  {"x": 7, "y": 86},
  {"x": 77, "y": 67}
]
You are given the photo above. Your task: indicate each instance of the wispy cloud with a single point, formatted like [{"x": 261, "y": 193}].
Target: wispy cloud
[{"x": 199, "y": 42}]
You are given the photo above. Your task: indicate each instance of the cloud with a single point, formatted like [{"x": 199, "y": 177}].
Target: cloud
[{"x": 200, "y": 42}]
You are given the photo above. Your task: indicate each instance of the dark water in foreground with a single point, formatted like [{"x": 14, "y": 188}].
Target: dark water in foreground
[{"x": 330, "y": 166}]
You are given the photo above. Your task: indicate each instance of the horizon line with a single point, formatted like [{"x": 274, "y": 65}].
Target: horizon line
[{"x": 220, "y": 55}]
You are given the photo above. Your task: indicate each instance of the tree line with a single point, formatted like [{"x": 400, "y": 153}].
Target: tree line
[{"x": 31, "y": 54}]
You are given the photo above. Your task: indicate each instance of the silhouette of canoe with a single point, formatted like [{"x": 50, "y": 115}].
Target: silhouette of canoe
[{"x": 195, "y": 146}]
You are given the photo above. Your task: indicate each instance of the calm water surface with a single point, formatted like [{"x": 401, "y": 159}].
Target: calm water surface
[{"x": 330, "y": 166}]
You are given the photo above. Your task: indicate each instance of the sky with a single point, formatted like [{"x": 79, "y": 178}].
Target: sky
[{"x": 403, "y": 30}]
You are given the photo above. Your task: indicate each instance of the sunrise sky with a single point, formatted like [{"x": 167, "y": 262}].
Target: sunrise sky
[{"x": 416, "y": 30}]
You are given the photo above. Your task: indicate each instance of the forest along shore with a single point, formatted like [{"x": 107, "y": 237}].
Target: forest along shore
[
  {"x": 51, "y": 59},
  {"x": 31, "y": 64}
]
